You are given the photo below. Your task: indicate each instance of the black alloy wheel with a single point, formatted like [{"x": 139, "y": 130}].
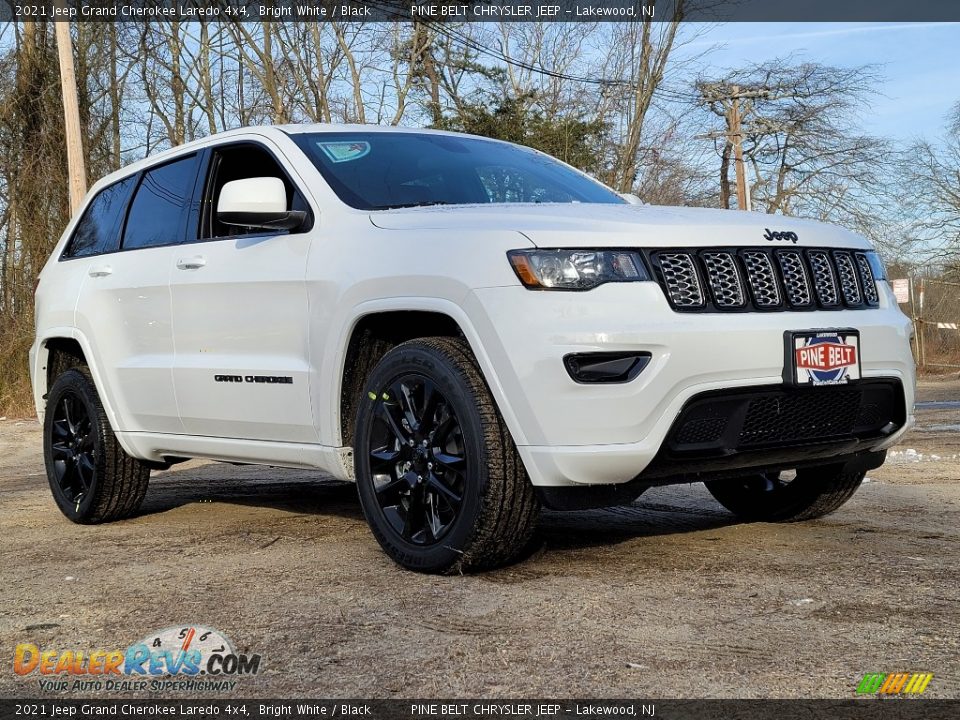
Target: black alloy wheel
[
  {"x": 73, "y": 448},
  {"x": 418, "y": 459},
  {"x": 91, "y": 478},
  {"x": 439, "y": 477}
]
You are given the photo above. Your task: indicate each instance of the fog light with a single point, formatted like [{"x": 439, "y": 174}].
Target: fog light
[{"x": 606, "y": 367}]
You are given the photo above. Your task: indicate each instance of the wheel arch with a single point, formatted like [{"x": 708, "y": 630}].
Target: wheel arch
[
  {"x": 57, "y": 351},
  {"x": 377, "y": 326}
]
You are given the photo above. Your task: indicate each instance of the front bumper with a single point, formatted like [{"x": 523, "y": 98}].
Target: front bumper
[{"x": 570, "y": 434}]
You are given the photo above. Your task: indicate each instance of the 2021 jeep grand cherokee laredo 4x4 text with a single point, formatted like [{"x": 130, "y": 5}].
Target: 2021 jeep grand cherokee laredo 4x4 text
[{"x": 466, "y": 327}]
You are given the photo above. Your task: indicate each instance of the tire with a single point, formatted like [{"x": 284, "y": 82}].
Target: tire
[
  {"x": 769, "y": 497},
  {"x": 92, "y": 479},
  {"x": 457, "y": 498}
]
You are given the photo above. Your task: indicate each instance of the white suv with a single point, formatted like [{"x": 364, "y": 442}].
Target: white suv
[{"x": 468, "y": 328}]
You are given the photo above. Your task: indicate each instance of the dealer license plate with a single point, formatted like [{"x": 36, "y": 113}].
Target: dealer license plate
[{"x": 822, "y": 357}]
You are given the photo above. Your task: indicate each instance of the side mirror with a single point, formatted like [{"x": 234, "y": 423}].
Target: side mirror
[
  {"x": 631, "y": 198},
  {"x": 259, "y": 202}
]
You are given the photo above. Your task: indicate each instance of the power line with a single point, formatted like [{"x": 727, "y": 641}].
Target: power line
[{"x": 465, "y": 40}]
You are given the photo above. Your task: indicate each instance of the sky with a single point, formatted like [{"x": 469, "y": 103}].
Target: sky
[{"x": 919, "y": 64}]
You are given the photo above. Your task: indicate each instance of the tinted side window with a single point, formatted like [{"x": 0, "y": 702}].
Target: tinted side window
[
  {"x": 99, "y": 229},
  {"x": 158, "y": 207}
]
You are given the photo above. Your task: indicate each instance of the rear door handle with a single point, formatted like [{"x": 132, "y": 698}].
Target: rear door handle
[
  {"x": 100, "y": 271},
  {"x": 191, "y": 263}
]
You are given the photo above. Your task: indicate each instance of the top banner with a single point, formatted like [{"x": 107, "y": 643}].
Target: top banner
[{"x": 483, "y": 10}]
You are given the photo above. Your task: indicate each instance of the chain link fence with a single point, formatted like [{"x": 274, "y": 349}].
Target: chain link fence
[{"x": 936, "y": 316}]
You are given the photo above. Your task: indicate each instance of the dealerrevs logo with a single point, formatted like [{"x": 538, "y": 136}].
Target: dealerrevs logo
[{"x": 192, "y": 658}]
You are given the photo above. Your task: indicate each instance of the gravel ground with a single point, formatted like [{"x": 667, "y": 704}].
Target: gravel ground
[{"x": 669, "y": 597}]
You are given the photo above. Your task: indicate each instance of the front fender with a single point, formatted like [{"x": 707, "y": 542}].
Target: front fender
[{"x": 335, "y": 356}]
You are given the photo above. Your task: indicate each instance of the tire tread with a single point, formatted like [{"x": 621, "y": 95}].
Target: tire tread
[{"x": 122, "y": 481}]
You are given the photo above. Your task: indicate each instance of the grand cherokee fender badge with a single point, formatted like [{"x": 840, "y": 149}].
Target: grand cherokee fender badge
[
  {"x": 772, "y": 235},
  {"x": 258, "y": 379}
]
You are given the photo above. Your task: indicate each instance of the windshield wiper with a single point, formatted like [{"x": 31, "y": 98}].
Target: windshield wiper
[{"x": 422, "y": 203}]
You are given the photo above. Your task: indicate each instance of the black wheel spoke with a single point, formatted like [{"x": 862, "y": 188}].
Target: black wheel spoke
[
  {"x": 431, "y": 401},
  {"x": 60, "y": 452},
  {"x": 60, "y": 430},
  {"x": 401, "y": 393},
  {"x": 449, "y": 494},
  {"x": 72, "y": 446},
  {"x": 443, "y": 430},
  {"x": 70, "y": 477},
  {"x": 396, "y": 516},
  {"x": 413, "y": 519},
  {"x": 392, "y": 486},
  {"x": 383, "y": 458},
  {"x": 450, "y": 462},
  {"x": 419, "y": 460},
  {"x": 385, "y": 414},
  {"x": 85, "y": 469},
  {"x": 67, "y": 411}
]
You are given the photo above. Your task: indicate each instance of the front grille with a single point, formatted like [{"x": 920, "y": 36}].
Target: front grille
[
  {"x": 809, "y": 416},
  {"x": 741, "y": 420},
  {"x": 701, "y": 430},
  {"x": 724, "y": 280}
]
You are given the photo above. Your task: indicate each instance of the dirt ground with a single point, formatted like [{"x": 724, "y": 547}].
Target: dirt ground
[{"x": 667, "y": 598}]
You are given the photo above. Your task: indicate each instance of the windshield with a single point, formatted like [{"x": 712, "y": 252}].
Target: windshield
[{"x": 383, "y": 170}]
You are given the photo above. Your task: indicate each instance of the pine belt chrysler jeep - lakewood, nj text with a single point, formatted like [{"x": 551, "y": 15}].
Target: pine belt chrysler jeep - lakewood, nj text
[{"x": 468, "y": 328}]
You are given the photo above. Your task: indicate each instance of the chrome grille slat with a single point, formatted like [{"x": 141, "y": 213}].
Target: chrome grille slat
[
  {"x": 869, "y": 281},
  {"x": 824, "y": 279},
  {"x": 682, "y": 282},
  {"x": 723, "y": 277},
  {"x": 849, "y": 285},
  {"x": 795, "y": 281},
  {"x": 763, "y": 281}
]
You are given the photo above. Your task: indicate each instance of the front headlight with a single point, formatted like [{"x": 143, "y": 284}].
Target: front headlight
[{"x": 576, "y": 269}]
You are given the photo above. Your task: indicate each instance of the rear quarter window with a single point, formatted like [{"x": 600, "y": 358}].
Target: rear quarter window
[{"x": 99, "y": 229}]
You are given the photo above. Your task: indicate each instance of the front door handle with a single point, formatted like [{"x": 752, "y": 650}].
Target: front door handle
[
  {"x": 191, "y": 263},
  {"x": 100, "y": 271}
]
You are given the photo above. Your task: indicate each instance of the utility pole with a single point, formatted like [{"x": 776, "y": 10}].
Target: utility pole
[
  {"x": 728, "y": 97},
  {"x": 921, "y": 327},
  {"x": 76, "y": 172},
  {"x": 735, "y": 132}
]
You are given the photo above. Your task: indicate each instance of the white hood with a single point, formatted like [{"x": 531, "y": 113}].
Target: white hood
[{"x": 599, "y": 225}]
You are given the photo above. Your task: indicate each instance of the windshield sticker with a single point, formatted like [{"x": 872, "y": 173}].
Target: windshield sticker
[{"x": 346, "y": 151}]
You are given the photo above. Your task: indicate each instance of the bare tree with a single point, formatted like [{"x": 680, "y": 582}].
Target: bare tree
[
  {"x": 640, "y": 52},
  {"x": 932, "y": 173},
  {"x": 800, "y": 139}
]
